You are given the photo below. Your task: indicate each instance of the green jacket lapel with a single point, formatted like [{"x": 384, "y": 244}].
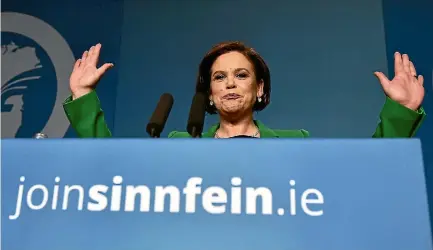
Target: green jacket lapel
[
  {"x": 265, "y": 132},
  {"x": 211, "y": 132}
]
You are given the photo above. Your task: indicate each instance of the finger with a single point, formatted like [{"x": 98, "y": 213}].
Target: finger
[
  {"x": 89, "y": 59},
  {"x": 421, "y": 80},
  {"x": 95, "y": 54},
  {"x": 84, "y": 57},
  {"x": 384, "y": 81},
  {"x": 91, "y": 51},
  {"x": 101, "y": 70},
  {"x": 412, "y": 69},
  {"x": 406, "y": 63},
  {"x": 398, "y": 64},
  {"x": 77, "y": 64}
]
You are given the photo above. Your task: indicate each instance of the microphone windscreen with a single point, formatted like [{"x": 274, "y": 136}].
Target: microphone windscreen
[
  {"x": 160, "y": 115},
  {"x": 197, "y": 114}
]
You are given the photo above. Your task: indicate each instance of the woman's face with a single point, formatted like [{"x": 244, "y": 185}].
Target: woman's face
[{"x": 234, "y": 88}]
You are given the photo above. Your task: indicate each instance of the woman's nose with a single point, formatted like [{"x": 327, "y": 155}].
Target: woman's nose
[{"x": 231, "y": 83}]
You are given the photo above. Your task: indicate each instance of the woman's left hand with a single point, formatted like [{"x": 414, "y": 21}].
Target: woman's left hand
[{"x": 406, "y": 88}]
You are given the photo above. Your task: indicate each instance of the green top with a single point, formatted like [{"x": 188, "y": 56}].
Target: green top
[{"x": 87, "y": 118}]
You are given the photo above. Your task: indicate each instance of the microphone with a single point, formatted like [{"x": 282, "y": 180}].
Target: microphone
[
  {"x": 196, "y": 115},
  {"x": 159, "y": 117}
]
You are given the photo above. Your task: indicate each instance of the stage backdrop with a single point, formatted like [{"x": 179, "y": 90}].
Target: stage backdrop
[
  {"x": 40, "y": 42},
  {"x": 322, "y": 58}
]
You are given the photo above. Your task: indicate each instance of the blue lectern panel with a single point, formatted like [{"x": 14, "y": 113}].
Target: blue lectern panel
[{"x": 213, "y": 194}]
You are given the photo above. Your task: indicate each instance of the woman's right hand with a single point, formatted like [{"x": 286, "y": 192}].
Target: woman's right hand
[{"x": 85, "y": 75}]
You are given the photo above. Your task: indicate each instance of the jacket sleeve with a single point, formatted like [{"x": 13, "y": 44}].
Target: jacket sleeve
[
  {"x": 86, "y": 116},
  {"x": 397, "y": 121}
]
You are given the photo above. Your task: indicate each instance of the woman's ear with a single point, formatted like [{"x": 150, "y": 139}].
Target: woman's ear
[{"x": 260, "y": 86}]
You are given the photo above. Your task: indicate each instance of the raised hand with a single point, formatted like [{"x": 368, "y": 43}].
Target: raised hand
[
  {"x": 85, "y": 75},
  {"x": 406, "y": 88}
]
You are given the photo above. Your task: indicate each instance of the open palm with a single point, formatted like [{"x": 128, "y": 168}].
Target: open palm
[
  {"x": 85, "y": 74},
  {"x": 406, "y": 87}
]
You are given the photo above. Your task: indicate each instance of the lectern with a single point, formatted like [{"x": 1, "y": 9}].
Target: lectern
[{"x": 165, "y": 194}]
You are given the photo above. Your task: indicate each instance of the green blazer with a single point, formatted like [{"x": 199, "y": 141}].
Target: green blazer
[{"x": 87, "y": 119}]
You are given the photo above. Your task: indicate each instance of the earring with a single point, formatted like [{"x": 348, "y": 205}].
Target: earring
[
  {"x": 211, "y": 103},
  {"x": 260, "y": 99}
]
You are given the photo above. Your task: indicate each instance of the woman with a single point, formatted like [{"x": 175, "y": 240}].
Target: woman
[{"x": 237, "y": 81}]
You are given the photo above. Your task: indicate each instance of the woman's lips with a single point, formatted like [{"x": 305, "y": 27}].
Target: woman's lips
[{"x": 231, "y": 96}]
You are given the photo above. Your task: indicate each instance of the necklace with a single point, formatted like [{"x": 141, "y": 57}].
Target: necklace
[{"x": 255, "y": 135}]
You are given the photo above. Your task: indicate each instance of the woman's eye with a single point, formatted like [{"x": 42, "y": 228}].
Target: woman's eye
[
  {"x": 242, "y": 75},
  {"x": 219, "y": 77}
]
